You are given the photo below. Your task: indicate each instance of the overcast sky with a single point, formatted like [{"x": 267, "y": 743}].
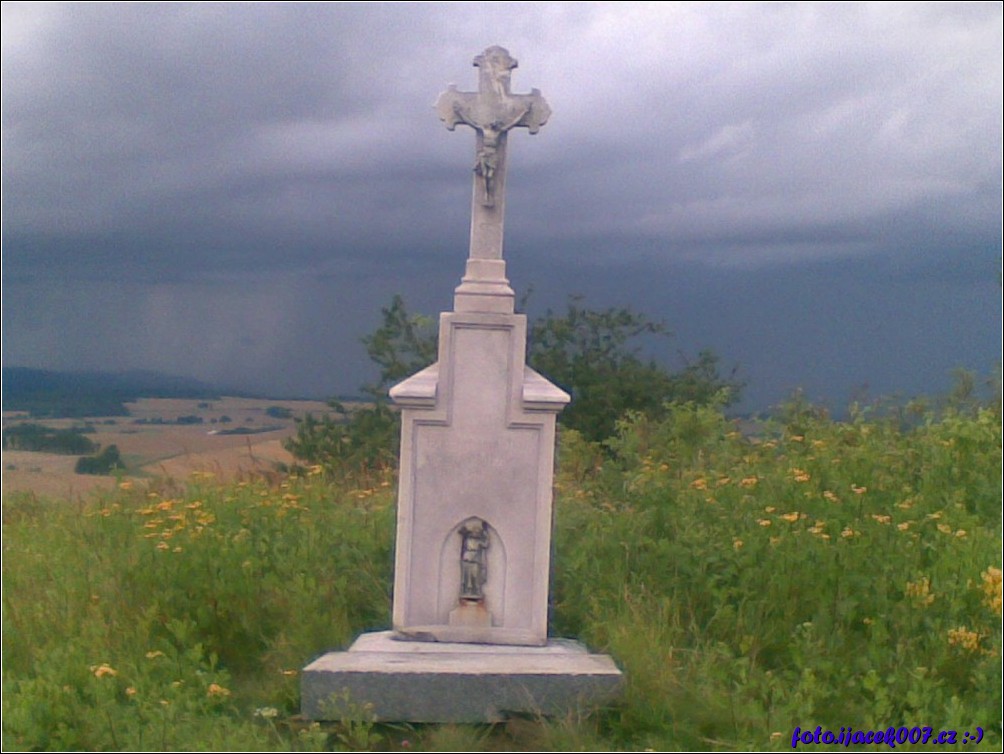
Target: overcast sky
[{"x": 232, "y": 191}]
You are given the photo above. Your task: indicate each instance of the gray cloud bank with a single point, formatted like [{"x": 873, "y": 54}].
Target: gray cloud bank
[{"x": 232, "y": 191}]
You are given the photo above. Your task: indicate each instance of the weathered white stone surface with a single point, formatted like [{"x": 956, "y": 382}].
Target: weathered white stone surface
[
  {"x": 492, "y": 112},
  {"x": 477, "y": 440},
  {"x": 477, "y": 436},
  {"x": 458, "y": 683},
  {"x": 472, "y": 564}
]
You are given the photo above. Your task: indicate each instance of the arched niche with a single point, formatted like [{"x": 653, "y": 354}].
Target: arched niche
[{"x": 450, "y": 571}]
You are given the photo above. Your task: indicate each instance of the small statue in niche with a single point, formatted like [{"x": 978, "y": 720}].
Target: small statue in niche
[{"x": 473, "y": 560}]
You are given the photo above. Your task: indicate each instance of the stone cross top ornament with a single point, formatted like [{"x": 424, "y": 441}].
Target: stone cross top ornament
[{"x": 492, "y": 112}]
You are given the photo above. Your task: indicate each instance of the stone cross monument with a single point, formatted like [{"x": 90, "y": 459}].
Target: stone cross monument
[
  {"x": 492, "y": 112},
  {"x": 472, "y": 564},
  {"x": 477, "y": 441}
]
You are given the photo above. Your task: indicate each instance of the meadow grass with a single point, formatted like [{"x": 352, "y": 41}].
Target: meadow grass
[{"x": 819, "y": 573}]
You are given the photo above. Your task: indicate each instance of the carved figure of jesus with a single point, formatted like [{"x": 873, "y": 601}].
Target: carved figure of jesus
[{"x": 492, "y": 112}]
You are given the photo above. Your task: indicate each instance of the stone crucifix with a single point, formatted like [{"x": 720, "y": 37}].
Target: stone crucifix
[{"x": 491, "y": 111}]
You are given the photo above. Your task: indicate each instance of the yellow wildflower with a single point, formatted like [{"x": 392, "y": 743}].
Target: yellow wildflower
[
  {"x": 964, "y": 638},
  {"x": 858, "y": 490},
  {"x": 992, "y": 578},
  {"x": 102, "y": 670},
  {"x": 944, "y": 528},
  {"x": 882, "y": 519},
  {"x": 769, "y": 509},
  {"x": 162, "y": 545},
  {"x": 216, "y": 690},
  {"x": 154, "y": 654},
  {"x": 830, "y": 496},
  {"x": 764, "y": 521},
  {"x": 790, "y": 517},
  {"x": 800, "y": 475},
  {"x": 737, "y": 544},
  {"x": 749, "y": 481},
  {"x": 847, "y": 532},
  {"x": 699, "y": 484},
  {"x": 130, "y": 691},
  {"x": 920, "y": 591},
  {"x": 904, "y": 526},
  {"x": 125, "y": 485}
]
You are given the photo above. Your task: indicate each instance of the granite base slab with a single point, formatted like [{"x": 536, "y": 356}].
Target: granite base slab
[{"x": 437, "y": 682}]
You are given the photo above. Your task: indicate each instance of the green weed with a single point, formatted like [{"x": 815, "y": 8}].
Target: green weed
[{"x": 813, "y": 573}]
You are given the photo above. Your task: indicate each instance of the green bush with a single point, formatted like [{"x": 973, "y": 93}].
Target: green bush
[
  {"x": 104, "y": 462},
  {"x": 593, "y": 354},
  {"x": 39, "y": 438}
]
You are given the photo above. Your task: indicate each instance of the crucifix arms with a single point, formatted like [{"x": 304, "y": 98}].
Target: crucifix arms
[
  {"x": 493, "y": 108},
  {"x": 492, "y": 111}
]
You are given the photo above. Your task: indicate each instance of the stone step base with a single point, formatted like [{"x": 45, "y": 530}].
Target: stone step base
[{"x": 433, "y": 682}]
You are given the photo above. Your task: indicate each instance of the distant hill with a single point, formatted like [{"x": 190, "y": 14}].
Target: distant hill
[{"x": 52, "y": 394}]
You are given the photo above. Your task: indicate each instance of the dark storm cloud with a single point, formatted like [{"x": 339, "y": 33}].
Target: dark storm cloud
[{"x": 290, "y": 151}]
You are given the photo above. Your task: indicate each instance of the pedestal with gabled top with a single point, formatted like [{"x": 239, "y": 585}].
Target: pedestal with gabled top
[
  {"x": 477, "y": 449},
  {"x": 472, "y": 563}
]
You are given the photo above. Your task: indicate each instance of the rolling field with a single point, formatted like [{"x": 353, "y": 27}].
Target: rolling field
[{"x": 151, "y": 449}]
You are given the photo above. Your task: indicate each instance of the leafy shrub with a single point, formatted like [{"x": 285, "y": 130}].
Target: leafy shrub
[
  {"x": 37, "y": 437},
  {"x": 104, "y": 462},
  {"x": 594, "y": 355}
]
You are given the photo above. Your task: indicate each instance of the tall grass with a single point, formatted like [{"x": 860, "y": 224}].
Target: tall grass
[{"x": 819, "y": 573}]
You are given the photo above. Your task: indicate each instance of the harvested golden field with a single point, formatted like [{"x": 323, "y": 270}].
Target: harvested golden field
[{"x": 230, "y": 437}]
